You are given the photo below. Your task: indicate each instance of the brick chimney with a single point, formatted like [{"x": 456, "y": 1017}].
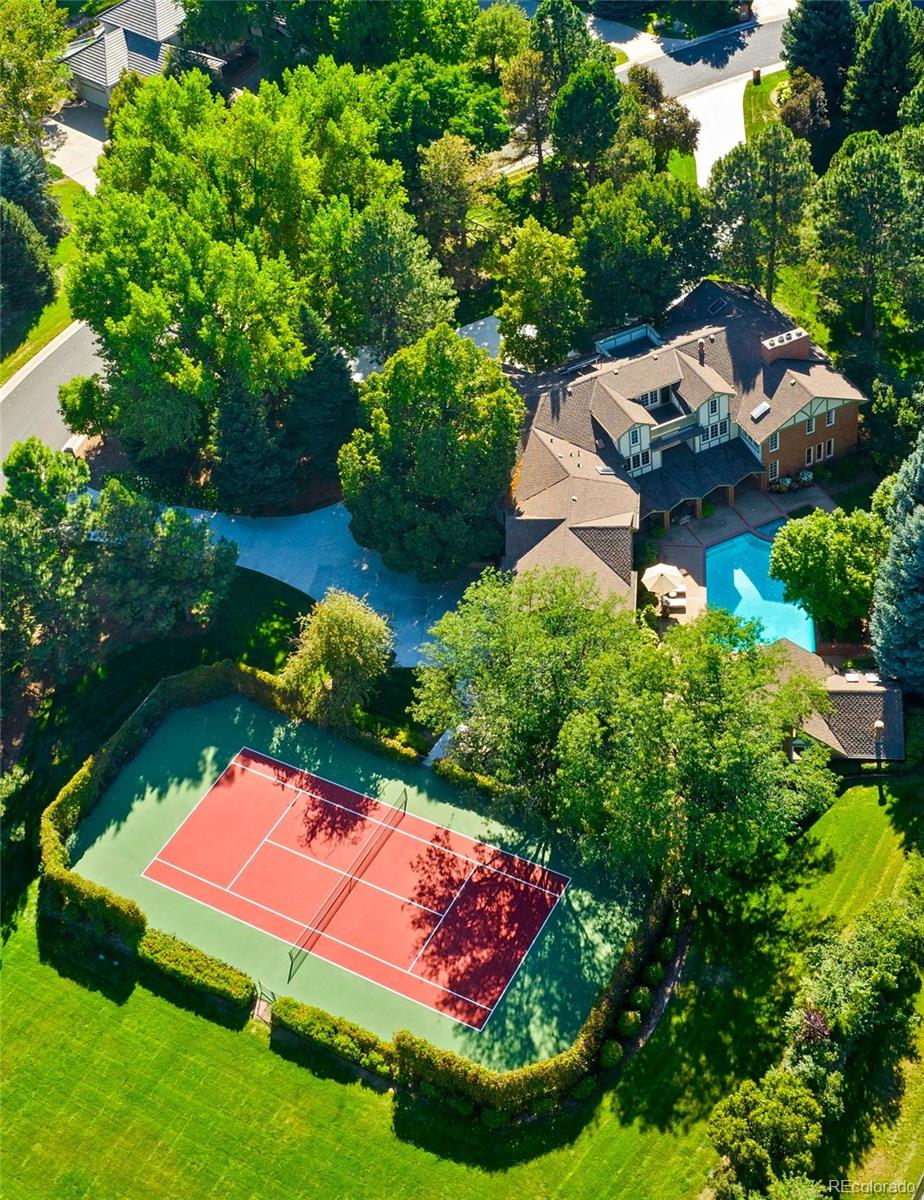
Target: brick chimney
[{"x": 795, "y": 343}]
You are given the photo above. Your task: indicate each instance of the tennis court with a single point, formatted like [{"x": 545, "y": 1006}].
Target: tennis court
[{"x": 422, "y": 910}]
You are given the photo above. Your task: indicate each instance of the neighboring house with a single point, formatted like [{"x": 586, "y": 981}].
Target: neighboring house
[
  {"x": 727, "y": 393},
  {"x": 863, "y": 721},
  {"x": 135, "y": 35}
]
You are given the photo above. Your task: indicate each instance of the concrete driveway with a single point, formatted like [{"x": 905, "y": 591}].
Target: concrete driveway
[
  {"x": 315, "y": 551},
  {"x": 75, "y": 140},
  {"x": 719, "y": 108}
]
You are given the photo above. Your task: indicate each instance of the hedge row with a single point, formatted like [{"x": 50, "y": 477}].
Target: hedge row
[
  {"x": 543, "y": 1084},
  {"x": 194, "y": 969},
  {"x": 471, "y": 781},
  {"x": 334, "y": 1035}
]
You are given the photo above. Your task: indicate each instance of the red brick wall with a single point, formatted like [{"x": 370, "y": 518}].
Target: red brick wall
[{"x": 794, "y": 440}]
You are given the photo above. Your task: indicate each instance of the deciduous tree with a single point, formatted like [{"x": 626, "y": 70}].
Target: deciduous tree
[
  {"x": 542, "y": 297},
  {"x": 828, "y": 564},
  {"x": 501, "y": 31},
  {"x": 804, "y": 111},
  {"x": 424, "y": 473},
  {"x": 663, "y": 120},
  {"x": 34, "y": 83},
  {"x": 343, "y": 649},
  {"x": 453, "y": 180}
]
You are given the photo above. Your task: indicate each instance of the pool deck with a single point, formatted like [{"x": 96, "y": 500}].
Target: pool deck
[{"x": 685, "y": 546}]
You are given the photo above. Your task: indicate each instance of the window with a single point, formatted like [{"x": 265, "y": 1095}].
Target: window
[
  {"x": 829, "y": 445},
  {"x": 713, "y": 406},
  {"x": 649, "y": 398},
  {"x": 774, "y": 443},
  {"x": 633, "y": 437},
  {"x": 713, "y": 431},
  {"x": 819, "y": 452},
  {"x": 808, "y": 456},
  {"x": 829, "y": 417},
  {"x": 646, "y": 458},
  {"x": 723, "y": 427},
  {"x": 636, "y": 461},
  {"x": 774, "y": 470},
  {"x": 809, "y": 425}
]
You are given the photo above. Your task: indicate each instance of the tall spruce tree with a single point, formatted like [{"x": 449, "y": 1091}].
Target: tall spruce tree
[
  {"x": 24, "y": 180},
  {"x": 820, "y": 36},
  {"x": 898, "y": 598},
  {"x": 28, "y": 277},
  {"x": 251, "y": 468},
  {"x": 887, "y": 66}
]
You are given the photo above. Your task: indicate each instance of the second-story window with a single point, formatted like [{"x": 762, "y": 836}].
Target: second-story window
[
  {"x": 809, "y": 425},
  {"x": 829, "y": 416},
  {"x": 633, "y": 437},
  {"x": 713, "y": 406},
  {"x": 774, "y": 442},
  {"x": 649, "y": 398}
]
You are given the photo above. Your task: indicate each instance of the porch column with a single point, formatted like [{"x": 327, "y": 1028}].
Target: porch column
[
  {"x": 730, "y": 495},
  {"x": 698, "y": 506},
  {"x": 762, "y": 481},
  {"x": 666, "y": 518}
]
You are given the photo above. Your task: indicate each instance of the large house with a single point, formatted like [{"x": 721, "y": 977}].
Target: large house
[
  {"x": 726, "y": 394},
  {"x": 136, "y": 35}
]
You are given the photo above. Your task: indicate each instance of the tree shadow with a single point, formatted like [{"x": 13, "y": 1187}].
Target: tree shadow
[{"x": 715, "y": 53}]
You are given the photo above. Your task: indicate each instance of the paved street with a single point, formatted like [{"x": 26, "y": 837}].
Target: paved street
[
  {"x": 29, "y": 401},
  {"x": 694, "y": 67}
]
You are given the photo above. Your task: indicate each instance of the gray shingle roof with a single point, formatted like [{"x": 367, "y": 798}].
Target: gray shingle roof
[
  {"x": 157, "y": 20},
  {"x": 686, "y": 475}
]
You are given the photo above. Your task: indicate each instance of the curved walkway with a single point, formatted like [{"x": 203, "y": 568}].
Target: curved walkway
[{"x": 315, "y": 551}]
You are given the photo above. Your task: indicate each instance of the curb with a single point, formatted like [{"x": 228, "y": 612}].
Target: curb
[
  {"x": 684, "y": 46},
  {"x": 38, "y": 358}
]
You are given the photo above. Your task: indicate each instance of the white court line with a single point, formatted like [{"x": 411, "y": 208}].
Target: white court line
[
  {"x": 349, "y": 970},
  {"x": 441, "y": 920},
  {"x": 376, "y": 800},
  {"x": 210, "y": 788},
  {"x": 405, "y": 833},
  {"x": 522, "y": 960},
  {"x": 359, "y": 878},
  {"x": 320, "y": 932},
  {"x": 264, "y": 839}
]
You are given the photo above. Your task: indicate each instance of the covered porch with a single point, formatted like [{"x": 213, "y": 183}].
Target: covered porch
[{"x": 687, "y": 478}]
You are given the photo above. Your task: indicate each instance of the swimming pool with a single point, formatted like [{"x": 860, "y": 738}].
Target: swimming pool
[{"x": 738, "y": 578}]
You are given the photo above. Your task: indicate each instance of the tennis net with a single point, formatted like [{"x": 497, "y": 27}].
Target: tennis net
[{"x": 332, "y": 902}]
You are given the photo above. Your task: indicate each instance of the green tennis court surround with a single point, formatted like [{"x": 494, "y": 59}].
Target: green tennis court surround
[{"x": 549, "y": 994}]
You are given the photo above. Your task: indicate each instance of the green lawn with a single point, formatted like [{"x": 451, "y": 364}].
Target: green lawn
[
  {"x": 682, "y": 166},
  {"x": 33, "y": 332},
  {"x": 759, "y": 109},
  {"x": 126, "y": 1095}
]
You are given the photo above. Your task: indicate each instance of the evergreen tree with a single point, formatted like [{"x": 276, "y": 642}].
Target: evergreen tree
[
  {"x": 559, "y": 32},
  {"x": 528, "y": 95},
  {"x": 28, "y": 278},
  {"x": 586, "y": 114},
  {"x": 911, "y": 109},
  {"x": 820, "y": 37},
  {"x": 251, "y": 468},
  {"x": 887, "y": 65},
  {"x": 24, "y": 180},
  {"x": 898, "y": 599},
  {"x": 321, "y": 409}
]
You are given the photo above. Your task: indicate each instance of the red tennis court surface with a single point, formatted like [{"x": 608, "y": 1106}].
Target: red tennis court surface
[{"x": 430, "y": 913}]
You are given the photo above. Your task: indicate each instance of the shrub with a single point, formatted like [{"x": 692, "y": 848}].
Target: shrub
[
  {"x": 335, "y": 1035},
  {"x": 641, "y": 998},
  {"x": 611, "y": 1054},
  {"x": 667, "y": 948},
  {"x": 654, "y": 973},
  {"x": 629, "y": 1022},
  {"x": 708, "y": 510},
  {"x": 194, "y": 969},
  {"x": 585, "y": 1088}
]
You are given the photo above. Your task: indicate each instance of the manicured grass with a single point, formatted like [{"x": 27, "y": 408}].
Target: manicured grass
[
  {"x": 34, "y": 331},
  {"x": 682, "y": 166},
  {"x": 759, "y": 109},
  {"x": 109, "y": 1094}
]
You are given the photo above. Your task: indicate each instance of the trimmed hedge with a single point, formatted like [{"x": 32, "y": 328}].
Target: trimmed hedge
[
  {"x": 194, "y": 969},
  {"x": 521, "y": 1092},
  {"x": 334, "y": 1035},
  {"x": 471, "y": 781}
]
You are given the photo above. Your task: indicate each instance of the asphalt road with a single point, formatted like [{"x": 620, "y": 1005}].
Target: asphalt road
[
  {"x": 721, "y": 58},
  {"x": 31, "y": 408}
]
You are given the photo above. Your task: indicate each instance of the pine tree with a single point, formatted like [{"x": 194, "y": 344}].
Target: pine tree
[
  {"x": 251, "y": 468},
  {"x": 820, "y": 37},
  {"x": 898, "y": 600},
  {"x": 28, "y": 277},
  {"x": 885, "y": 70},
  {"x": 24, "y": 180},
  {"x": 322, "y": 408}
]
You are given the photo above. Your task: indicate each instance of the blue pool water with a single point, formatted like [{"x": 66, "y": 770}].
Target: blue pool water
[{"x": 738, "y": 578}]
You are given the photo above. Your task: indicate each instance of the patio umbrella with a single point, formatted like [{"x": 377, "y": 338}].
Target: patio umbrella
[{"x": 662, "y": 577}]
